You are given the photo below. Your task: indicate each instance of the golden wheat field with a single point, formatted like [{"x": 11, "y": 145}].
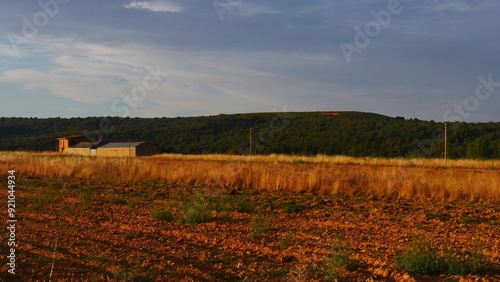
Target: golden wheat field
[{"x": 463, "y": 180}]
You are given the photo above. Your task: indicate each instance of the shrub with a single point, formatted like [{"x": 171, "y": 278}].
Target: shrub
[{"x": 421, "y": 257}]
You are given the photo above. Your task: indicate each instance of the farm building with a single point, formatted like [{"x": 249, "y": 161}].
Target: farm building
[
  {"x": 77, "y": 145},
  {"x": 66, "y": 142},
  {"x": 128, "y": 149}
]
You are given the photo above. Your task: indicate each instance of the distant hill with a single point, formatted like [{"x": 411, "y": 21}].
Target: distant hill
[{"x": 304, "y": 133}]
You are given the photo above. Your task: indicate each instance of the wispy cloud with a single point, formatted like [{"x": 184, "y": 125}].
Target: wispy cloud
[
  {"x": 451, "y": 5},
  {"x": 77, "y": 88},
  {"x": 155, "y": 6},
  {"x": 96, "y": 73},
  {"x": 77, "y": 71},
  {"x": 248, "y": 10},
  {"x": 7, "y": 50}
]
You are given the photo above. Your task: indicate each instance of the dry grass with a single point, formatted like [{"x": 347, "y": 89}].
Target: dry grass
[
  {"x": 464, "y": 180},
  {"x": 325, "y": 159}
]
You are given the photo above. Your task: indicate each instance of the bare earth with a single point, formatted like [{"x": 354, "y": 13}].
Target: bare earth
[{"x": 110, "y": 234}]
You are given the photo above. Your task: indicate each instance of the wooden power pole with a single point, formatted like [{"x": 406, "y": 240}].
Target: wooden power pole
[
  {"x": 445, "y": 142},
  {"x": 250, "y": 142}
]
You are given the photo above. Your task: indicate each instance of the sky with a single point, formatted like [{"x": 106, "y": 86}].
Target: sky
[{"x": 430, "y": 59}]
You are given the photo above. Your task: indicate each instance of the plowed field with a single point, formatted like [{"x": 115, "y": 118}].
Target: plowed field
[{"x": 73, "y": 229}]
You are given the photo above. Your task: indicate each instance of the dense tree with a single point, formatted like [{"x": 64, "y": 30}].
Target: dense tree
[{"x": 309, "y": 133}]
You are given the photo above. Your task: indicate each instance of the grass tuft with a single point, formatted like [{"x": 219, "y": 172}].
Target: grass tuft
[
  {"x": 467, "y": 219},
  {"x": 85, "y": 198},
  {"x": 118, "y": 201},
  {"x": 285, "y": 241},
  {"x": 422, "y": 257},
  {"x": 260, "y": 223},
  {"x": 291, "y": 207},
  {"x": 339, "y": 260},
  {"x": 243, "y": 203},
  {"x": 162, "y": 213},
  {"x": 457, "y": 263},
  {"x": 195, "y": 210}
]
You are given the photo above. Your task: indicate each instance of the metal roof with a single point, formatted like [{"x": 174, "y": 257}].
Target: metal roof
[
  {"x": 91, "y": 145},
  {"x": 122, "y": 145}
]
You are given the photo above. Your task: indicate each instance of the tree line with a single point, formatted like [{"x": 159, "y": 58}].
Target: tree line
[{"x": 301, "y": 133}]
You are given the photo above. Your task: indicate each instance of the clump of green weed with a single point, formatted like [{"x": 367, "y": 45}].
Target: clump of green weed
[
  {"x": 118, "y": 201},
  {"x": 422, "y": 257},
  {"x": 457, "y": 263},
  {"x": 221, "y": 203},
  {"x": 195, "y": 211},
  {"x": 38, "y": 203},
  {"x": 291, "y": 207},
  {"x": 242, "y": 203},
  {"x": 185, "y": 209},
  {"x": 46, "y": 198},
  {"x": 196, "y": 215},
  {"x": 228, "y": 203},
  {"x": 101, "y": 259},
  {"x": 162, "y": 213},
  {"x": 339, "y": 260},
  {"x": 260, "y": 224},
  {"x": 467, "y": 219},
  {"x": 285, "y": 241},
  {"x": 136, "y": 272},
  {"x": 438, "y": 215},
  {"x": 85, "y": 199}
]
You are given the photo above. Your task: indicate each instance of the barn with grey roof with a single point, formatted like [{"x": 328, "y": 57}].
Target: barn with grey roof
[{"x": 77, "y": 145}]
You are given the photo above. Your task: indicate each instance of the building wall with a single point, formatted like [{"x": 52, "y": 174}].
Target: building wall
[
  {"x": 63, "y": 144},
  {"x": 144, "y": 149},
  {"x": 148, "y": 149},
  {"x": 116, "y": 152},
  {"x": 77, "y": 151}
]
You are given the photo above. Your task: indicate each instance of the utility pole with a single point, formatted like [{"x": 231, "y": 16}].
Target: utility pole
[
  {"x": 445, "y": 142},
  {"x": 251, "y": 163},
  {"x": 250, "y": 142}
]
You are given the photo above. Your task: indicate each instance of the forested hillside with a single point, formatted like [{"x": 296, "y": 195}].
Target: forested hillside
[{"x": 304, "y": 133}]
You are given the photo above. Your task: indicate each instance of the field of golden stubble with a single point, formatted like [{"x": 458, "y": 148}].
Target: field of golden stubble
[
  {"x": 269, "y": 218},
  {"x": 467, "y": 180}
]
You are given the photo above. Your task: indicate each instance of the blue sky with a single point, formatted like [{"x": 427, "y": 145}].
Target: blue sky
[{"x": 429, "y": 59}]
